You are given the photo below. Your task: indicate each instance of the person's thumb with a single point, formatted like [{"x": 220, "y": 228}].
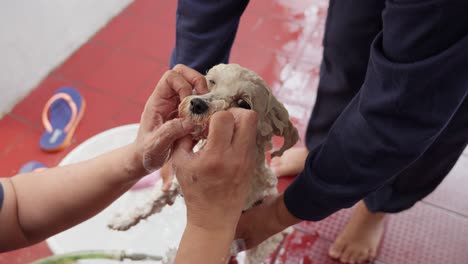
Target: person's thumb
[
  {"x": 172, "y": 130},
  {"x": 163, "y": 140},
  {"x": 181, "y": 150}
]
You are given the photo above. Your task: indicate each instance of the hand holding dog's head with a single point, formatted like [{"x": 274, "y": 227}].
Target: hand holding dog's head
[
  {"x": 215, "y": 180},
  {"x": 158, "y": 130}
]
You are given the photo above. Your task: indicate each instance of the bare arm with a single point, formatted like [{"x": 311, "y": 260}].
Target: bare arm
[
  {"x": 39, "y": 204},
  {"x": 200, "y": 245}
]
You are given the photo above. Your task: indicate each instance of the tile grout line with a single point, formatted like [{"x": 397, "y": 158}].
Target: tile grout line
[
  {"x": 31, "y": 127},
  {"x": 446, "y": 210},
  {"x": 95, "y": 89},
  {"x": 117, "y": 48},
  {"x": 130, "y": 52},
  {"x": 328, "y": 240},
  {"x": 159, "y": 63},
  {"x": 9, "y": 148},
  {"x": 31, "y": 124}
]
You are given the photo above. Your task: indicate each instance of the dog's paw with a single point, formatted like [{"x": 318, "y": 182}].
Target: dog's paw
[
  {"x": 121, "y": 222},
  {"x": 170, "y": 256}
]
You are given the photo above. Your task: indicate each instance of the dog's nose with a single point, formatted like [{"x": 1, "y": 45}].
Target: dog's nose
[{"x": 198, "y": 106}]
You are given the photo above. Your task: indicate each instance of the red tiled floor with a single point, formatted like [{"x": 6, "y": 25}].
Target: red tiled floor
[
  {"x": 452, "y": 192},
  {"x": 248, "y": 23},
  {"x": 122, "y": 74},
  {"x": 423, "y": 235},
  {"x": 26, "y": 150},
  {"x": 304, "y": 248},
  {"x": 84, "y": 62},
  {"x": 328, "y": 228},
  {"x": 152, "y": 39},
  {"x": 25, "y": 255},
  {"x": 315, "y": 27},
  {"x": 130, "y": 114},
  {"x": 284, "y": 9},
  {"x": 300, "y": 85},
  {"x": 31, "y": 107},
  {"x": 284, "y": 182},
  {"x": 266, "y": 63},
  {"x": 419, "y": 235},
  {"x": 299, "y": 115},
  {"x": 147, "y": 89},
  {"x": 163, "y": 11},
  {"x": 12, "y": 132},
  {"x": 101, "y": 109},
  {"x": 117, "y": 30},
  {"x": 282, "y": 36}
]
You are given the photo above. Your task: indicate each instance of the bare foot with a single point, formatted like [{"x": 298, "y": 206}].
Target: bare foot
[
  {"x": 360, "y": 239},
  {"x": 290, "y": 163}
]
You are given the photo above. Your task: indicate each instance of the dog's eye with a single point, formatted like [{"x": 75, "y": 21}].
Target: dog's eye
[
  {"x": 212, "y": 82},
  {"x": 243, "y": 104}
]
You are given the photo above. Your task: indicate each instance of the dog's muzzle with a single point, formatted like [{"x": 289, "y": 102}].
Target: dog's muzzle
[{"x": 198, "y": 106}]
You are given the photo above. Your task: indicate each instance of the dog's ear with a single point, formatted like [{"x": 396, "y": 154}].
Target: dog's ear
[{"x": 276, "y": 122}]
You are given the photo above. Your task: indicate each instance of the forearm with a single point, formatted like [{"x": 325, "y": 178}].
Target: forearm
[
  {"x": 200, "y": 245},
  {"x": 47, "y": 202}
]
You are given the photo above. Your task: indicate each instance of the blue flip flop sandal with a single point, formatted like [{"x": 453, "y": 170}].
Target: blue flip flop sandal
[{"x": 60, "y": 117}]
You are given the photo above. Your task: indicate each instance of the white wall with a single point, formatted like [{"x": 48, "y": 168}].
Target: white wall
[{"x": 37, "y": 35}]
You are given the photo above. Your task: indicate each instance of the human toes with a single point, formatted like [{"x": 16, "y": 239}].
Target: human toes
[
  {"x": 336, "y": 250},
  {"x": 363, "y": 257},
  {"x": 353, "y": 255},
  {"x": 346, "y": 255}
]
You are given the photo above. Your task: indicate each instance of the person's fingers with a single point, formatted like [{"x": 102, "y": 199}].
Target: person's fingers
[
  {"x": 172, "y": 130},
  {"x": 220, "y": 133},
  {"x": 173, "y": 83},
  {"x": 164, "y": 99},
  {"x": 246, "y": 128},
  {"x": 157, "y": 151},
  {"x": 181, "y": 150},
  {"x": 166, "y": 186},
  {"x": 166, "y": 175},
  {"x": 196, "y": 79}
]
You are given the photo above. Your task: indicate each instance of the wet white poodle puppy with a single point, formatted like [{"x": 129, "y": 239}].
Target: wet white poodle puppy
[{"x": 231, "y": 85}]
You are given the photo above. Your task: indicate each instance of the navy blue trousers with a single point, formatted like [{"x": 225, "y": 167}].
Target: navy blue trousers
[
  {"x": 351, "y": 27},
  {"x": 205, "y": 31},
  {"x": 391, "y": 115}
]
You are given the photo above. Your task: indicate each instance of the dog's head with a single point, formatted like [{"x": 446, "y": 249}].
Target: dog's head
[{"x": 231, "y": 85}]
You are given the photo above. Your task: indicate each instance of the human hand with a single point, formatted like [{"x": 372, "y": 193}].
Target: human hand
[
  {"x": 158, "y": 127},
  {"x": 167, "y": 175},
  {"x": 263, "y": 221},
  {"x": 215, "y": 180}
]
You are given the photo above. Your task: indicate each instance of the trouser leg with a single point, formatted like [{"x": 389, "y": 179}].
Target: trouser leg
[
  {"x": 350, "y": 28},
  {"x": 427, "y": 172},
  {"x": 205, "y": 31}
]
